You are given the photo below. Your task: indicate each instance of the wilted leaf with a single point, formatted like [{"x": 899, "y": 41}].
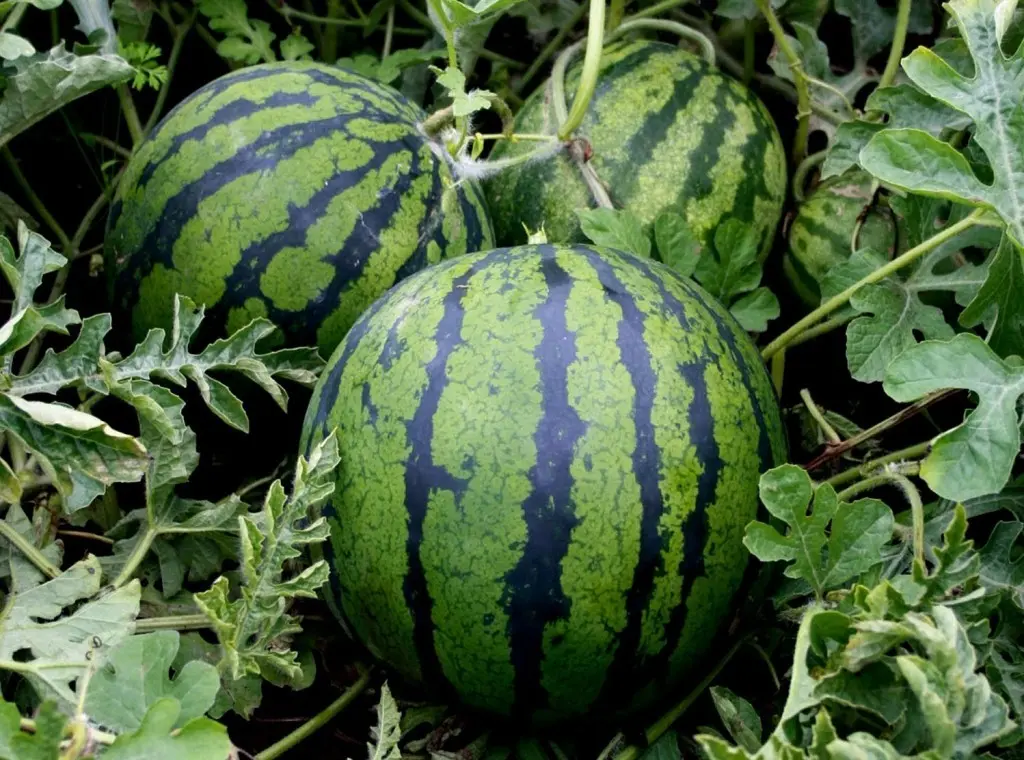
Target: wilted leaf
[
  {"x": 38, "y": 85},
  {"x": 62, "y": 646}
]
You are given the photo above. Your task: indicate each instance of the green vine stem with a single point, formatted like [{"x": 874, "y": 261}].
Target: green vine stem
[
  {"x": 865, "y": 470},
  {"x": 822, "y": 329},
  {"x": 139, "y": 552},
  {"x": 664, "y": 723},
  {"x": 832, "y": 452},
  {"x": 131, "y": 114},
  {"x": 172, "y": 622},
  {"x": 881, "y": 273},
  {"x": 801, "y": 172},
  {"x": 803, "y": 92},
  {"x": 33, "y": 199},
  {"x": 27, "y": 548},
  {"x": 748, "y": 51},
  {"x": 616, "y": 10},
  {"x": 899, "y": 38},
  {"x": 827, "y": 429},
  {"x": 180, "y": 32},
  {"x": 389, "y": 33},
  {"x": 331, "y": 21},
  {"x": 317, "y": 722},
  {"x": 28, "y": 725},
  {"x": 910, "y": 493},
  {"x": 588, "y": 76},
  {"x": 550, "y": 49}
]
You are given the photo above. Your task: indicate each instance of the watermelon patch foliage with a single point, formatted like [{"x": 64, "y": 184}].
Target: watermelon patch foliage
[{"x": 576, "y": 379}]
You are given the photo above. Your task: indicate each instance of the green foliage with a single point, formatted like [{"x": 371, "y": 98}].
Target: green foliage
[
  {"x": 825, "y": 560},
  {"x": 976, "y": 457},
  {"x": 731, "y": 272},
  {"x": 145, "y": 59},
  {"x": 248, "y": 40},
  {"x": 388, "y": 731},
  {"x": 156, "y": 737},
  {"x": 134, "y": 678},
  {"x": 251, "y": 627}
]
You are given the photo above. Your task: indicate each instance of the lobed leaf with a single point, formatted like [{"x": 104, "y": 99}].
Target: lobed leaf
[{"x": 976, "y": 457}]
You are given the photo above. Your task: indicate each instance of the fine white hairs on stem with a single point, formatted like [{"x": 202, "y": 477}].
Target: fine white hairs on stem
[{"x": 465, "y": 167}]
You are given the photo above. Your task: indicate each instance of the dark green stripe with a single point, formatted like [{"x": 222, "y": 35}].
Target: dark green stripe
[
  {"x": 534, "y": 587},
  {"x": 636, "y": 358},
  {"x": 698, "y": 183}
]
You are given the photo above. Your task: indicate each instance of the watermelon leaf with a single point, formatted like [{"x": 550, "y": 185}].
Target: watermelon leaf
[
  {"x": 199, "y": 739},
  {"x": 615, "y": 228},
  {"x": 39, "y": 84},
  {"x": 388, "y": 731},
  {"x": 874, "y": 25},
  {"x": 1001, "y": 568},
  {"x": 63, "y": 647},
  {"x": 999, "y": 302},
  {"x": 739, "y": 717},
  {"x": 250, "y": 626},
  {"x": 976, "y": 457},
  {"x": 754, "y": 310},
  {"x": 677, "y": 246},
  {"x": 247, "y": 41},
  {"x": 915, "y": 160},
  {"x": 905, "y": 106},
  {"x": 825, "y": 559},
  {"x": 135, "y": 676}
]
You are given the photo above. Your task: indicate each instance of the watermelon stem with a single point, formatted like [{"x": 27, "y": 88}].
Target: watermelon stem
[
  {"x": 801, "y": 172},
  {"x": 665, "y": 722},
  {"x": 815, "y": 412},
  {"x": 829, "y": 306},
  {"x": 131, "y": 114},
  {"x": 894, "y": 476},
  {"x": 588, "y": 77},
  {"x": 866, "y": 469},
  {"x": 318, "y": 721},
  {"x": 899, "y": 38},
  {"x": 803, "y": 91}
]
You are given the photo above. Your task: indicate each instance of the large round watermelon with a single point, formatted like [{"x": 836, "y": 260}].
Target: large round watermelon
[
  {"x": 837, "y": 218},
  {"x": 668, "y": 133},
  {"x": 548, "y": 457},
  {"x": 293, "y": 191}
]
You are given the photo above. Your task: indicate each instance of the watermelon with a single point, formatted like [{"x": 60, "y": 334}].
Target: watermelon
[
  {"x": 293, "y": 191},
  {"x": 548, "y": 457},
  {"x": 821, "y": 235},
  {"x": 668, "y": 132}
]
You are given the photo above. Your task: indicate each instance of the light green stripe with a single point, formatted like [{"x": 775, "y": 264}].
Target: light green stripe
[
  {"x": 597, "y": 570},
  {"x": 483, "y": 433}
]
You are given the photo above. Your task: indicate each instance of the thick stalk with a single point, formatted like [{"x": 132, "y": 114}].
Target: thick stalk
[
  {"x": 389, "y": 33},
  {"x": 803, "y": 92},
  {"x": 664, "y": 723},
  {"x": 139, "y": 552},
  {"x": 317, "y": 722},
  {"x": 172, "y": 622},
  {"x": 131, "y": 115},
  {"x": 180, "y": 32},
  {"x": 27, "y": 548},
  {"x": 748, "y": 51},
  {"x": 588, "y": 76},
  {"x": 616, "y": 10},
  {"x": 821, "y": 329},
  {"x": 879, "y": 274},
  {"x": 864, "y": 470},
  {"x": 801, "y": 172},
  {"x": 899, "y": 39}
]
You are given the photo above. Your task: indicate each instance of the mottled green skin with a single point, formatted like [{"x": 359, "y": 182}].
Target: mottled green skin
[
  {"x": 548, "y": 457},
  {"x": 668, "y": 133},
  {"x": 294, "y": 191},
  {"x": 821, "y": 235}
]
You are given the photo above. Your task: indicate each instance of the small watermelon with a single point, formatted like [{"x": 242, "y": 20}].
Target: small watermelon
[
  {"x": 548, "y": 457},
  {"x": 668, "y": 133},
  {"x": 293, "y": 191},
  {"x": 821, "y": 235}
]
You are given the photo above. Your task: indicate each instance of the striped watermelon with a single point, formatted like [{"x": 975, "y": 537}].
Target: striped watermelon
[
  {"x": 548, "y": 457},
  {"x": 293, "y": 191},
  {"x": 822, "y": 233},
  {"x": 668, "y": 132}
]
